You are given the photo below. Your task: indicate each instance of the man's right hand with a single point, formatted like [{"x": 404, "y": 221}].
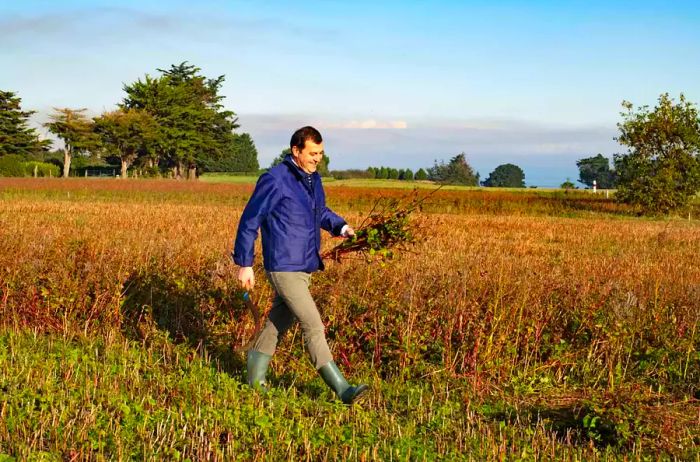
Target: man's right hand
[{"x": 246, "y": 277}]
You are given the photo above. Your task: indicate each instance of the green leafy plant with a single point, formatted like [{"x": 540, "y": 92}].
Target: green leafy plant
[{"x": 387, "y": 227}]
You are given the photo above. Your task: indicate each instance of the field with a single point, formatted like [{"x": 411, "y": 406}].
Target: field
[
  {"x": 355, "y": 182},
  {"x": 531, "y": 325}
]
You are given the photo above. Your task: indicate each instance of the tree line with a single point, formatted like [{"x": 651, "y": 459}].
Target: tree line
[
  {"x": 381, "y": 173},
  {"x": 456, "y": 171},
  {"x": 173, "y": 124}
]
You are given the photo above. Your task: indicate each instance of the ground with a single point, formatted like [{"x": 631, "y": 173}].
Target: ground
[{"x": 522, "y": 325}]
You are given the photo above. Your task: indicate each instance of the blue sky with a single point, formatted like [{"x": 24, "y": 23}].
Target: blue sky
[{"x": 536, "y": 83}]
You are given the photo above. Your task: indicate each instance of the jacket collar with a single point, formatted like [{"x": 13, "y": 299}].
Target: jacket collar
[{"x": 300, "y": 174}]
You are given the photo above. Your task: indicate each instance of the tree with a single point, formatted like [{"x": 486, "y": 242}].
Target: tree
[
  {"x": 568, "y": 184},
  {"x": 245, "y": 155},
  {"x": 392, "y": 174},
  {"x": 506, "y": 176},
  {"x": 660, "y": 172},
  {"x": 457, "y": 171},
  {"x": 242, "y": 158},
  {"x": 406, "y": 175},
  {"x": 76, "y": 131},
  {"x": 127, "y": 134},
  {"x": 322, "y": 168},
  {"x": 596, "y": 169},
  {"x": 194, "y": 129},
  {"x": 16, "y": 137},
  {"x": 421, "y": 175},
  {"x": 279, "y": 159}
]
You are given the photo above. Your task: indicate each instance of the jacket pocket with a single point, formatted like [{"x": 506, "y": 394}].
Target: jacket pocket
[{"x": 290, "y": 250}]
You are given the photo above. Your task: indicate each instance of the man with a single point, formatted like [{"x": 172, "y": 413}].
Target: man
[{"x": 289, "y": 206}]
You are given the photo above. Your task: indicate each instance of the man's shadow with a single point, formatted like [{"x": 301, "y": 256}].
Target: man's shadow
[
  {"x": 200, "y": 312},
  {"x": 209, "y": 316}
]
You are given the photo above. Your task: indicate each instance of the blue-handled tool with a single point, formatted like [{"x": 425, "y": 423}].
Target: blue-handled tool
[{"x": 255, "y": 311}]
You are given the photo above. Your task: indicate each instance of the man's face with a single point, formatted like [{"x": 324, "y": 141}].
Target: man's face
[{"x": 309, "y": 157}]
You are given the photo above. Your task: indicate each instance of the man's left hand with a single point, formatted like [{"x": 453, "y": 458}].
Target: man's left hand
[{"x": 347, "y": 231}]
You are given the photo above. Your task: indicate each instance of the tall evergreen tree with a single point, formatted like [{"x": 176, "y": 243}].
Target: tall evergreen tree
[
  {"x": 16, "y": 137},
  {"x": 194, "y": 128},
  {"x": 245, "y": 153},
  {"x": 243, "y": 157},
  {"x": 457, "y": 171},
  {"x": 279, "y": 159},
  {"x": 421, "y": 175}
]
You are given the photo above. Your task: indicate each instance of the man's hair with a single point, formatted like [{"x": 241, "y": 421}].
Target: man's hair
[{"x": 305, "y": 133}]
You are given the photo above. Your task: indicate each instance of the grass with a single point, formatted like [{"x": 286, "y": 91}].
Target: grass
[
  {"x": 91, "y": 399},
  {"x": 521, "y": 327},
  {"x": 224, "y": 178}
]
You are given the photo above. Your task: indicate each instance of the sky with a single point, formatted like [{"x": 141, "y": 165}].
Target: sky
[{"x": 395, "y": 83}]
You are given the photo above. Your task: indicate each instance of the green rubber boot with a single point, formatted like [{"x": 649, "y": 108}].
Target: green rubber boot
[
  {"x": 257, "y": 368},
  {"x": 335, "y": 380}
]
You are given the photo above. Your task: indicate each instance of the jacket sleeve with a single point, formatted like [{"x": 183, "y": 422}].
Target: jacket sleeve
[
  {"x": 259, "y": 205},
  {"x": 331, "y": 222}
]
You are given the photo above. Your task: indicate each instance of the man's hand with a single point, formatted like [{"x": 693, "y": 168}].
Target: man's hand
[
  {"x": 347, "y": 231},
  {"x": 246, "y": 277}
]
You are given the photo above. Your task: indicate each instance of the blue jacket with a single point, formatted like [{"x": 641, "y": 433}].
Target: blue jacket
[{"x": 290, "y": 215}]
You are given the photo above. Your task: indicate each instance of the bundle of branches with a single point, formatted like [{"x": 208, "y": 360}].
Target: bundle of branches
[{"x": 387, "y": 227}]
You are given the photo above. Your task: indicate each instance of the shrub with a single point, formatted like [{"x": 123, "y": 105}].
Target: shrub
[
  {"x": 12, "y": 165},
  {"x": 348, "y": 174},
  {"x": 43, "y": 169}
]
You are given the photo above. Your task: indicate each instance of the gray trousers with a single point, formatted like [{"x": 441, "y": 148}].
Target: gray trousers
[{"x": 293, "y": 301}]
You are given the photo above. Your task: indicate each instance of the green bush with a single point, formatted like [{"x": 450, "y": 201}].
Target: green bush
[
  {"x": 15, "y": 165},
  {"x": 12, "y": 165},
  {"x": 660, "y": 173},
  {"x": 43, "y": 169}
]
